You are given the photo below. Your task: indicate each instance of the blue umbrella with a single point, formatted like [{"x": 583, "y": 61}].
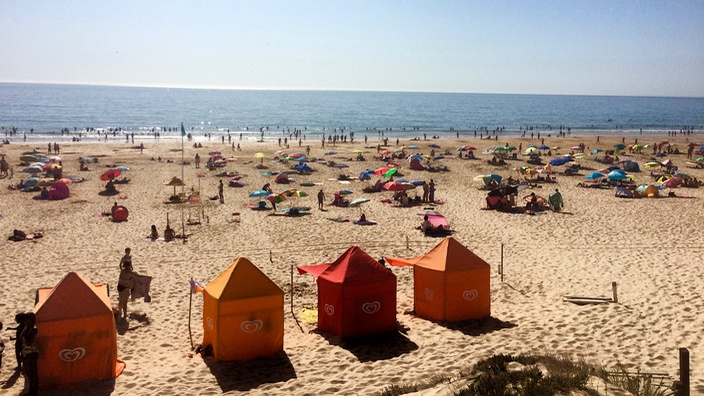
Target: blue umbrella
[
  {"x": 616, "y": 175},
  {"x": 30, "y": 182},
  {"x": 368, "y": 171},
  {"x": 596, "y": 151},
  {"x": 402, "y": 180},
  {"x": 433, "y": 145},
  {"x": 122, "y": 168},
  {"x": 301, "y": 159},
  {"x": 417, "y": 182},
  {"x": 364, "y": 176},
  {"x": 259, "y": 193},
  {"x": 594, "y": 176},
  {"x": 304, "y": 168},
  {"x": 560, "y": 161},
  {"x": 414, "y": 147},
  {"x": 544, "y": 147}
]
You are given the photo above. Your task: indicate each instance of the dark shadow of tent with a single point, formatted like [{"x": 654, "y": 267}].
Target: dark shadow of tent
[
  {"x": 97, "y": 388},
  {"x": 124, "y": 326},
  {"x": 477, "y": 327},
  {"x": 373, "y": 348},
  {"x": 249, "y": 374}
]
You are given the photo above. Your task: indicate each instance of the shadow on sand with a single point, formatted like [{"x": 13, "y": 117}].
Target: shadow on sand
[
  {"x": 373, "y": 348},
  {"x": 247, "y": 375}
]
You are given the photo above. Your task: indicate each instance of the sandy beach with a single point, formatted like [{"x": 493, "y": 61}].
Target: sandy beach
[{"x": 652, "y": 248}]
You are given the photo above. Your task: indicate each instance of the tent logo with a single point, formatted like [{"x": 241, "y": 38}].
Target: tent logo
[
  {"x": 371, "y": 307},
  {"x": 251, "y": 326},
  {"x": 429, "y": 294},
  {"x": 470, "y": 295},
  {"x": 329, "y": 309},
  {"x": 209, "y": 321},
  {"x": 71, "y": 355}
]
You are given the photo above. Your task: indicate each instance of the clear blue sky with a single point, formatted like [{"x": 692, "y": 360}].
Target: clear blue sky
[{"x": 593, "y": 47}]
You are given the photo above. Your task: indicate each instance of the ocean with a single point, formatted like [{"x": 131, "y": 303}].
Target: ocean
[{"x": 41, "y": 111}]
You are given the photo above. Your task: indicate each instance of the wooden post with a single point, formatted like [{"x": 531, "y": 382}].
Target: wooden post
[
  {"x": 501, "y": 266},
  {"x": 683, "y": 389},
  {"x": 291, "y": 290},
  {"x": 190, "y": 304},
  {"x": 613, "y": 287},
  {"x": 408, "y": 246},
  {"x": 271, "y": 258}
]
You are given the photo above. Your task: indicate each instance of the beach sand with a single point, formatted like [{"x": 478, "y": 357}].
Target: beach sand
[{"x": 652, "y": 248}]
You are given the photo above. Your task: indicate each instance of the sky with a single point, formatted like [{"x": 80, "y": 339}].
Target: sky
[{"x": 594, "y": 47}]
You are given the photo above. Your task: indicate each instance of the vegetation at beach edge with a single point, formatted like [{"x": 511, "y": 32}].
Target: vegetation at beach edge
[{"x": 537, "y": 375}]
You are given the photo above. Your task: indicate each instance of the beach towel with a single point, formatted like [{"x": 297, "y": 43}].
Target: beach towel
[{"x": 142, "y": 284}]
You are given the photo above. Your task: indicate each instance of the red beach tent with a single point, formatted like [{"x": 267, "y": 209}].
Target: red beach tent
[
  {"x": 356, "y": 295},
  {"x": 450, "y": 283}
]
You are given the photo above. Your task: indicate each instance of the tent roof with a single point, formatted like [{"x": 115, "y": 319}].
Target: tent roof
[
  {"x": 73, "y": 291},
  {"x": 352, "y": 266},
  {"x": 242, "y": 279},
  {"x": 449, "y": 255}
]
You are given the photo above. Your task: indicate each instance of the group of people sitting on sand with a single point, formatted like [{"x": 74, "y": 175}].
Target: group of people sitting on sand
[{"x": 169, "y": 233}]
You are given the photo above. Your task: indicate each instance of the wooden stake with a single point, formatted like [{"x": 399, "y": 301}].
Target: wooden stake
[
  {"x": 190, "y": 305},
  {"x": 613, "y": 287},
  {"x": 501, "y": 266},
  {"x": 291, "y": 290},
  {"x": 683, "y": 388}
]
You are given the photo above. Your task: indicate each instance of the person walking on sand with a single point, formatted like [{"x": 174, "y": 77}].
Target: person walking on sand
[
  {"x": 197, "y": 160},
  {"x": 426, "y": 191},
  {"x": 321, "y": 199},
  {"x": 220, "y": 192},
  {"x": 125, "y": 284},
  {"x": 19, "y": 319}
]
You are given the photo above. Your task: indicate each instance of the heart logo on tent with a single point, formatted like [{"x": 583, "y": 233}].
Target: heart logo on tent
[
  {"x": 429, "y": 294},
  {"x": 470, "y": 295},
  {"x": 71, "y": 355},
  {"x": 251, "y": 326},
  {"x": 371, "y": 307},
  {"x": 329, "y": 309},
  {"x": 209, "y": 321}
]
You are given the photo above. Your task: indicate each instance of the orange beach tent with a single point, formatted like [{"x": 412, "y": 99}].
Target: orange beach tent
[
  {"x": 243, "y": 313},
  {"x": 356, "y": 295},
  {"x": 76, "y": 335},
  {"x": 450, "y": 283}
]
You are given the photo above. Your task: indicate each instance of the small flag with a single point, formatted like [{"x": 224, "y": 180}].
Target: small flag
[
  {"x": 196, "y": 287},
  {"x": 183, "y": 130}
]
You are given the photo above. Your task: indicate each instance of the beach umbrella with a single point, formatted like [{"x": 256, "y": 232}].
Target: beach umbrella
[
  {"x": 531, "y": 150},
  {"x": 682, "y": 176},
  {"x": 380, "y": 171},
  {"x": 489, "y": 177},
  {"x": 304, "y": 168},
  {"x": 261, "y": 156},
  {"x": 110, "y": 174},
  {"x": 386, "y": 152},
  {"x": 597, "y": 151},
  {"x": 433, "y": 145},
  {"x": 390, "y": 172},
  {"x": 616, "y": 175},
  {"x": 54, "y": 158},
  {"x": 663, "y": 178},
  {"x": 297, "y": 155},
  {"x": 275, "y": 198},
  {"x": 594, "y": 176},
  {"x": 394, "y": 186},
  {"x": 51, "y": 166},
  {"x": 259, "y": 193},
  {"x": 637, "y": 147},
  {"x": 560, "y": 161},
  {"x": 700, "y": 159},
  {"x": 416, "y": 182},
  {"x": 175, "y": 182},
  {"x": 64, "y": 181},
  {"x": 651, "y": 164},
  {"x": 544, "y": 147},
  {"x": 672, "y": 182},
  {"x": 414, "y": 147},
  {"x": 619, "y": 146},
  {"x": 33, "y": 169},
  {"x": 364, "y": 176},
  {"x": 122, "y": 168},
  {"x": 31, "y": 182},
  {"x": 294, "y": 193},
  {"x": 358, "y": 152},
  {"x": 342, "y": 192},
  {"x": 358, "y": 201},
  {"x": 556, "y": 148}
]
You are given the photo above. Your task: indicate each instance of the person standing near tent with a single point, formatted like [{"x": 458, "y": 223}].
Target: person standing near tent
[
  {"x": 30, "y": 353},
  {"x": 125, "y": 284}
]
